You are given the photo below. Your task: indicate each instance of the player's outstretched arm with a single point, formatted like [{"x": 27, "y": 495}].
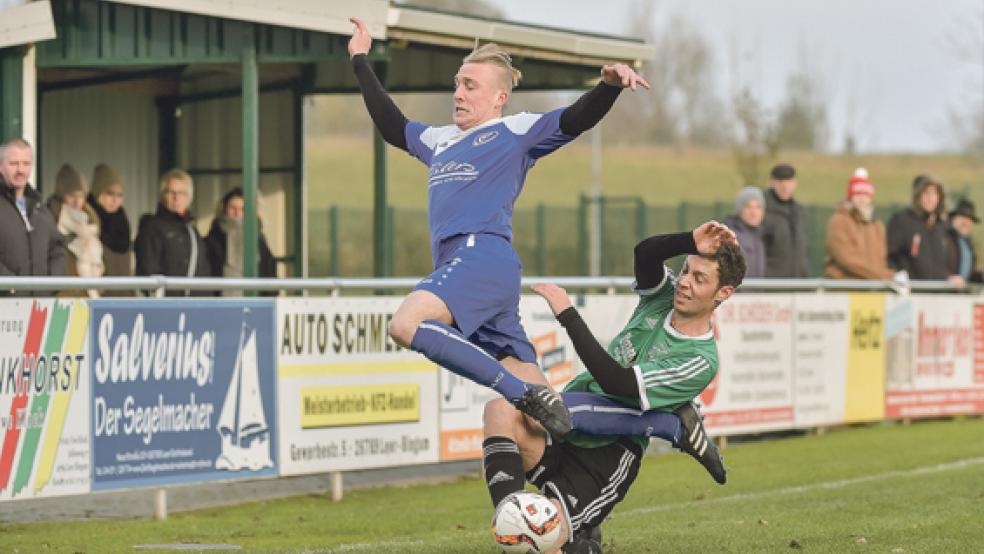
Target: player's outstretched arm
[
  {"x": 610, "y": 375},
  {"x": 652, "y": 253},
  {"x": 592, "y": 106},
  {"x": 385, "y": 115}
]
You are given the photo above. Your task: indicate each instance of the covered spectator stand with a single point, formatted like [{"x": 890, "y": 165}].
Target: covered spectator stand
[{"x": 219, "y": 87}]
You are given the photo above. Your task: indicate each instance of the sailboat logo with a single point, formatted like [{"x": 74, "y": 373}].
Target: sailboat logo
[{"x": 242, "y": 423}]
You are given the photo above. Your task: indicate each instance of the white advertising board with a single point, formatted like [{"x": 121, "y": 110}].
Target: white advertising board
[{"x": 349, "y": 397}]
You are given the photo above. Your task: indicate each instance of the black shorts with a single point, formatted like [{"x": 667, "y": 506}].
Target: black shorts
[{"x": 589, "y": 482}]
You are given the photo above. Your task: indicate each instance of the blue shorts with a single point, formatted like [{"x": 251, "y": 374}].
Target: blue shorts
[{"x": 478, "y": 278}]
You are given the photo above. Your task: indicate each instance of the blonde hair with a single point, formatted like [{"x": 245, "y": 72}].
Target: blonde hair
[
  {"x": 177, "y": 175},
  {"x": 494, "y": 54}
]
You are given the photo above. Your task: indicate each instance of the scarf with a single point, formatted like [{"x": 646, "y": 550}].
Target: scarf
[{"x": 115, "y": 227}]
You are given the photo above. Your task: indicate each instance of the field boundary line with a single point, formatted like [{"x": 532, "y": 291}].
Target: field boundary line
[{"x": 826, "y": 485}]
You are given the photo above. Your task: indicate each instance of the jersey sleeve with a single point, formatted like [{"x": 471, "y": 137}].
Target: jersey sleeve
[
  {"x": 659, "y": 297},
  {"x": 666, "y": 383},
  {"x": 420, "y": 141},
  {"x": 538, "y": 134}
]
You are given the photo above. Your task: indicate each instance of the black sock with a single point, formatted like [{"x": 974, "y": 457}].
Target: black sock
[{"x": 503, "y": 468}]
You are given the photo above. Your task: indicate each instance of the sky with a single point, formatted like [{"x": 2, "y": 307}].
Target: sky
[{"x": 892, "y": 71}]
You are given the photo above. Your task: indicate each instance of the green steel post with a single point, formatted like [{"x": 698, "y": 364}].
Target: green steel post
[
  {"x": 582, "y": 235},
  {"x": 300, "y": 207},
  {"x": 390, "y": 226},
  {"x": 379, "y": 227},
  {"x": 11, "y": 93},
  {"x": 541, "y": 239},
  {"x": 602, "y": 235},
  {"x": 251, "y": 96},
  {"x": 333, "y": 240}
]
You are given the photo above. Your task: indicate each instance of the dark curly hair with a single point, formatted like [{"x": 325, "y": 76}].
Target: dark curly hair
[{"x": 730, "y": 263}]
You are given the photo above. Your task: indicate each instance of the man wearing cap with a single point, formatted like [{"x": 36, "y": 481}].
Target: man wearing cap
[
  {"x": 747, "y": 226},
  {"x": 855, "y": 247},
  {"x": 31, "y": 243},
  {"x": 961, "y": 254},
  {"x": 917, "y": 236},
  {"x": 784, "y": 229}
]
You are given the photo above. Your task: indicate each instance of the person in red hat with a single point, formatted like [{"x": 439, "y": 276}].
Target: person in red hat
[{"x": 855, "y": 239}]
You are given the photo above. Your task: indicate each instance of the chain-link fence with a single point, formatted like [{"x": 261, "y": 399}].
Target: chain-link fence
[{"x": 551, "y": 240}]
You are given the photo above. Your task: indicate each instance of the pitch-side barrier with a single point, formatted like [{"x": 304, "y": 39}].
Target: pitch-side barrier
[{"x": 114, "y": 393}]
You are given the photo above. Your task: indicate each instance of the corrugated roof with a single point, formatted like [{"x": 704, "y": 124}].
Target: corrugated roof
[
  {"x": 33, "y": 22},
  {"x": 445, "y": 28}
]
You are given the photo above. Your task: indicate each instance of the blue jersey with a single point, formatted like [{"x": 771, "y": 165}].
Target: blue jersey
[{"x": 476, "y": 175}]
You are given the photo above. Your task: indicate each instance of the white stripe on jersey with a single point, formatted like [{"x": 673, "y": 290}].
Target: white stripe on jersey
[
  {"x": 521, "y": 123},
  {"x": 432, "y": 136},
  {"x": 683, "y": 367},
  {"x": 670, "y": 380}
]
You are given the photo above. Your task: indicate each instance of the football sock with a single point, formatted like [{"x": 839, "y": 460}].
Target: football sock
[
  {"x": 598, "y": 415},
  {"x": 503, "y": 468},
  {"x": 449, "y": 348}
]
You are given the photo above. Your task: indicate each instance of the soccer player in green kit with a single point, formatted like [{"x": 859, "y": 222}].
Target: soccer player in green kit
[{"x": 644, "y": 383}]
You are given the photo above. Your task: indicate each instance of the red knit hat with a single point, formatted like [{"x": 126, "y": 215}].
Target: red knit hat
[{"x": 859, "y": 184}]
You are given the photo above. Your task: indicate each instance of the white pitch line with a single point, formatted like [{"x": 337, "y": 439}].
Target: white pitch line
[{"x": 826, "y": 485}]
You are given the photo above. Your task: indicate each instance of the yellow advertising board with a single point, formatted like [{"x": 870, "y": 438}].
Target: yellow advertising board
[
  {"x": 865, "y": 394},
  {"x": 337, "y": 405}
]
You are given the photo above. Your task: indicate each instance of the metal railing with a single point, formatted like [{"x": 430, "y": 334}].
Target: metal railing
[{"x": 158, "y": 285}]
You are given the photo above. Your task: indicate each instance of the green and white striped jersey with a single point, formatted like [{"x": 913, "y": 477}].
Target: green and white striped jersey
[{"x": 671, "y": 368}]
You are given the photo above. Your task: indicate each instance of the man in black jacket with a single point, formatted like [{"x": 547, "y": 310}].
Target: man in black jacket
[
  {"x": 31, "y": 243},
  {"x": 784, "y": 229},
  {"x": 167, "y": 241}
]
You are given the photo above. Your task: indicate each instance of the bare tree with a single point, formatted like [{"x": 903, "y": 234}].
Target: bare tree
[
  {"x": 755, "y": 143},
  {"x": 802, "y": 122},
  {"x": 682, "y": 107},
  {"x": 965, "y": 121}
]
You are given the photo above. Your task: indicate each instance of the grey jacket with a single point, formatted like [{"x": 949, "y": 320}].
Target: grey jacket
[
  {"x": 784, "y": 233},
  {"x": 750, "y": 240},
  {"x": 35, "y": 251}
]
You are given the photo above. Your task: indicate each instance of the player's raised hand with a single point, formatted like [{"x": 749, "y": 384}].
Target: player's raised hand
[
  {"x": 555, "y": 296},
  {"x": 621, "y": 75},
  {"x": 360, "y": 41},
  {"x": 711, "y": 235}
]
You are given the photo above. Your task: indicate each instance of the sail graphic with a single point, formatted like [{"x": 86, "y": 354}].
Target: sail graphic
[{"x": 242, "y": 423}]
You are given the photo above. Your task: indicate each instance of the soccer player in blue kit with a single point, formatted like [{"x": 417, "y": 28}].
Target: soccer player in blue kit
[{"x": 465, "y": 315}]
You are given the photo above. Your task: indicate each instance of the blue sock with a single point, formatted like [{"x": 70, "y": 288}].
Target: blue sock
[
  {"x": 449, "y": 348},
  {"x": 598, "y": 415}
]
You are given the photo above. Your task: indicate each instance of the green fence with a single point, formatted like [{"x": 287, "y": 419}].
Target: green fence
[{"x": 550, "y": 240}]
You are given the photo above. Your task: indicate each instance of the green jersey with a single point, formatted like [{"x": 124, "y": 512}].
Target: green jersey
[{"x": 671, "y": 368}]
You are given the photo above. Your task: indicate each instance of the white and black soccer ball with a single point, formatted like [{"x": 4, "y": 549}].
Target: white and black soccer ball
[{"x": 526, "y": 522}]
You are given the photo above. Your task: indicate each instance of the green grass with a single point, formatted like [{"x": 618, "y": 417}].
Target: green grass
[
  {"x": 340, "y": 172},
  {"x": 870, "y": 489}
]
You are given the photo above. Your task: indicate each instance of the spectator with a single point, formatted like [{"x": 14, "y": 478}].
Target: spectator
[
  {"x": 962, "y": 256},
  {"x": 167, "y": 241},
  {"x": 747, "y": 225},
  {"x": 855, "y": 239},
  {"x": 917, "y": 236},
  {"x": 106, "y": 199},
  {"x": 784, "y": 228},
  {"x": 31, "y": 244},
  {"x": 78, "y": 225},
  {"x": 225, "y": 242}
]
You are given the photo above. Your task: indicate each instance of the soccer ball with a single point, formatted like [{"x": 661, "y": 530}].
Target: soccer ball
[{"x": 526, "y": 522}]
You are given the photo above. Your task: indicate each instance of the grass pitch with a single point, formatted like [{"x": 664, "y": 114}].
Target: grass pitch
[{"x": 883, "y": 488}]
